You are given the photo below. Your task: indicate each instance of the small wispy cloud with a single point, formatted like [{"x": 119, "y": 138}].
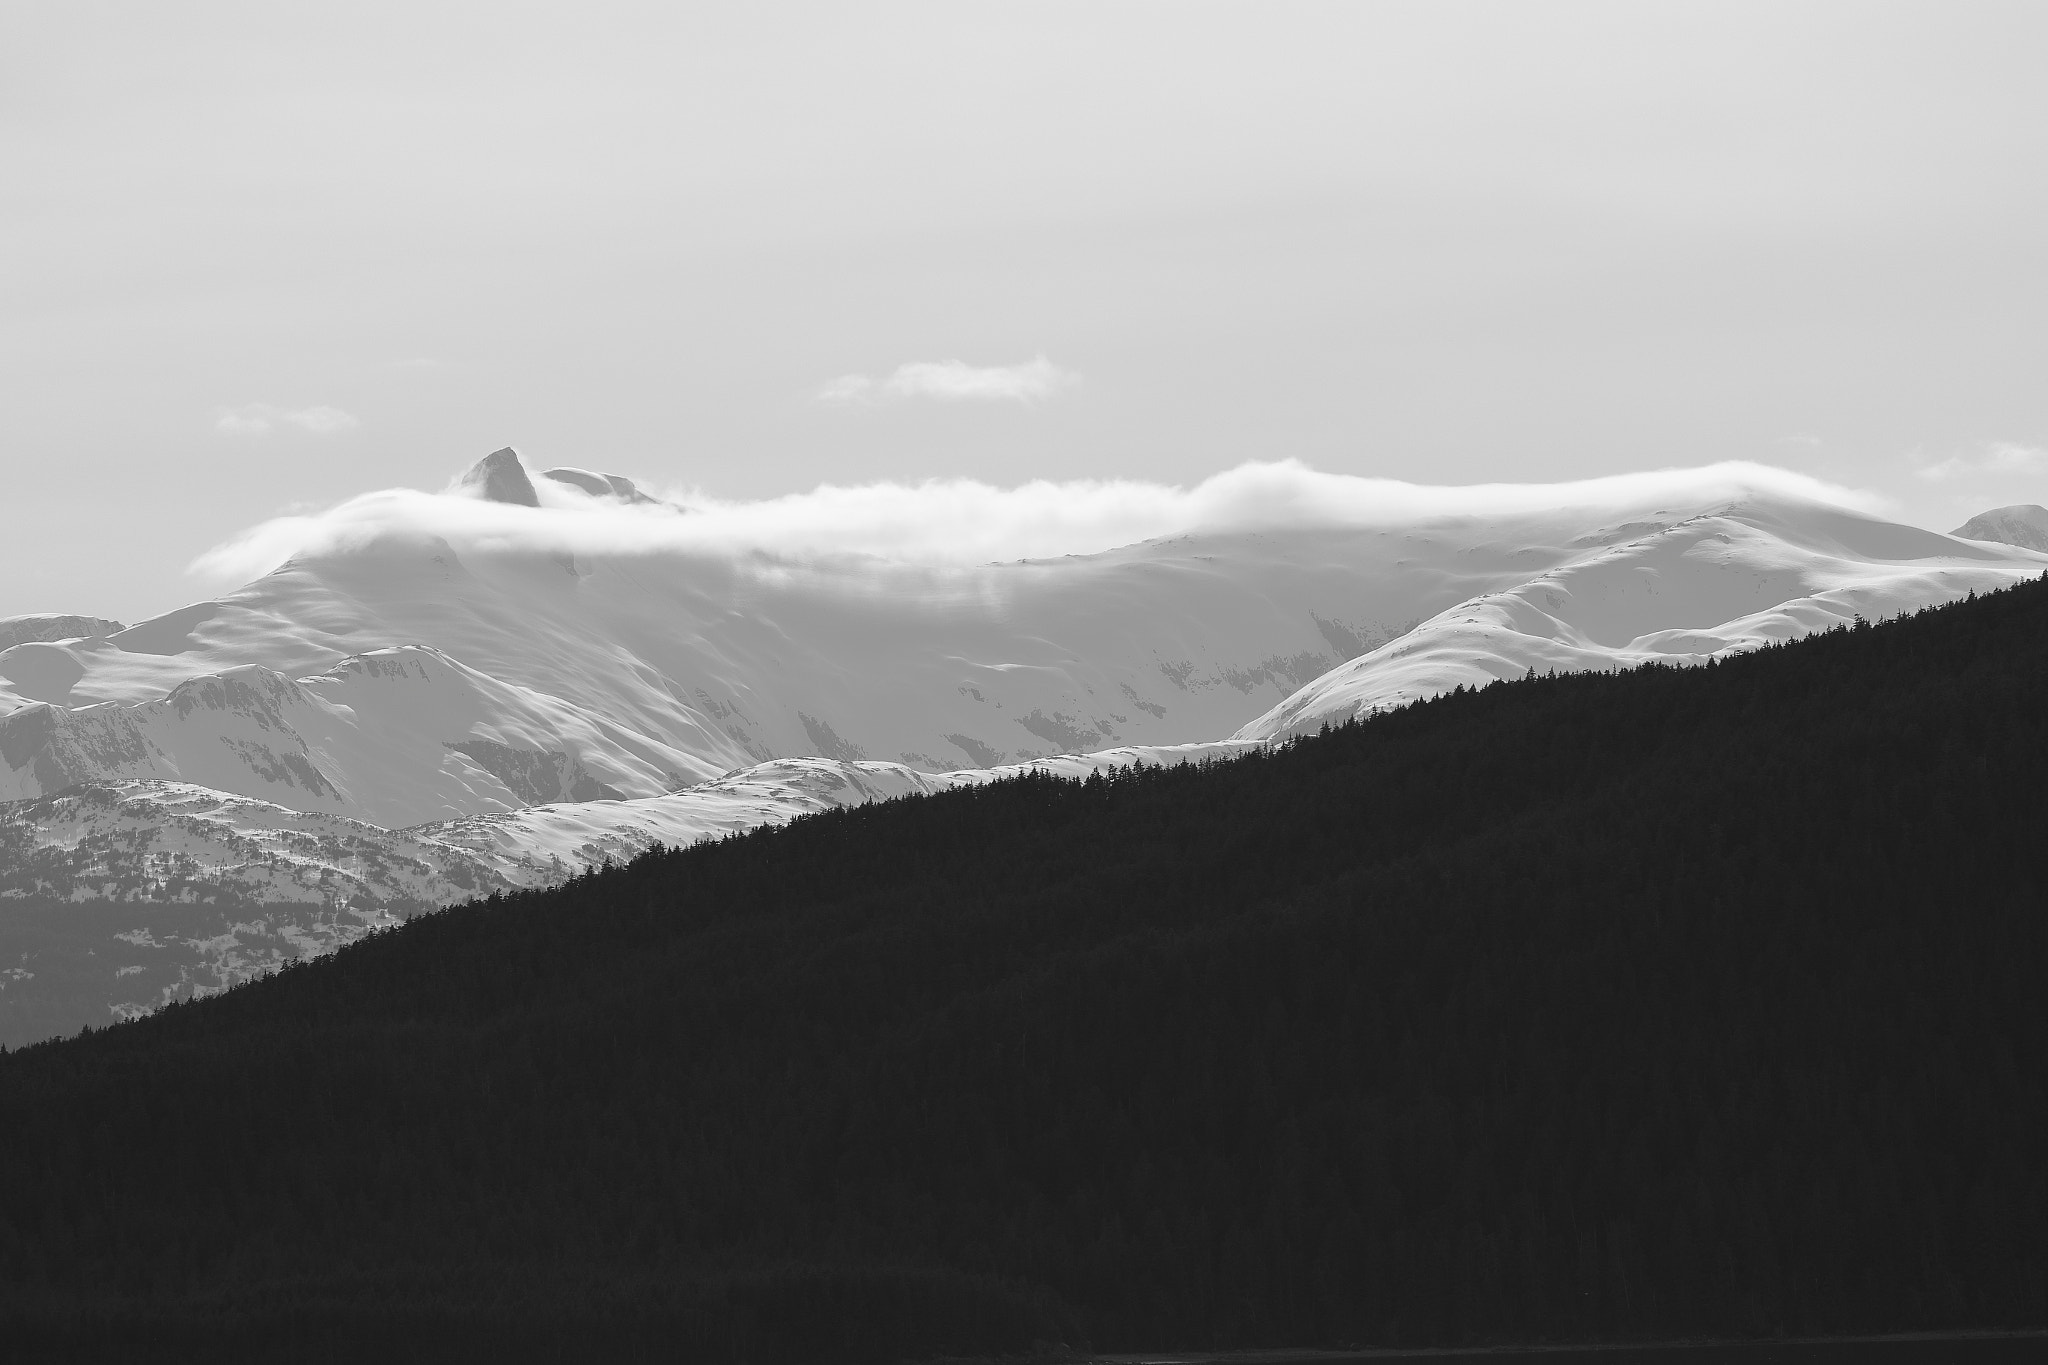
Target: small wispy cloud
[
  {"x": 1996, "y": 457},
  {"x": 255, "y": 419},
  {"x": 954, "y": 381},
  {"x": 847, "y": 388}
]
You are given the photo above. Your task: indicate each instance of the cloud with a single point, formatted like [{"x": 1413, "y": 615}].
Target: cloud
[
  {"x": 954, "y": 381},
  {"x": 962, "y": 522},
  {"x": 847, "y": 388},
  {"x": 1996, "y": 457},
  {"x": 256, "y": 419}
]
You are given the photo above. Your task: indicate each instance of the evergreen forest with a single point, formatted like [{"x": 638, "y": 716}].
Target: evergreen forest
[{"x": 1672, "y": 1003}]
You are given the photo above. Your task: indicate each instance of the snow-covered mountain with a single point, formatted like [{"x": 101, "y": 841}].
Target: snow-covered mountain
[
  {"x": 2025, "y": 525},
  {"x": 1679, "y": 591},
  {"x": 497, "y": 686},
  {"x": 399, "y": 676},
  {"x": 404, "y": 679}
]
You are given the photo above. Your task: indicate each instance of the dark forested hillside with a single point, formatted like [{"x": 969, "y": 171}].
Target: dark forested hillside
[{"x": 1678, "y": 1002}]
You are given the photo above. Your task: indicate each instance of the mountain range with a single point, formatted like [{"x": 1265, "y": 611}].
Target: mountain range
[
  {"x": 1673, "y": 1005},
  {"x": 469, "y": 692}
]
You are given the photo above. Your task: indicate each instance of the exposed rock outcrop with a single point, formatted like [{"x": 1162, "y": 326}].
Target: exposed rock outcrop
[{"x": 499, "y": 477}]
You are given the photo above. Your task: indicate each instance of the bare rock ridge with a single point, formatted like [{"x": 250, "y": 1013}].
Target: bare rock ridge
[
  {"x": 2024, "y": 525},
  {"x": 499, "y": 477}
]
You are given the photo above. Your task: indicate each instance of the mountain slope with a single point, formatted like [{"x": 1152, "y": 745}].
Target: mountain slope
[
  {"x": 1601, "y": 1006},
  {"x": 120, "y": 897}
]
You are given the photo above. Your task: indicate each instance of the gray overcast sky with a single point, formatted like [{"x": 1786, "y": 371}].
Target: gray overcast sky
[{"x": 263, "y": 255}]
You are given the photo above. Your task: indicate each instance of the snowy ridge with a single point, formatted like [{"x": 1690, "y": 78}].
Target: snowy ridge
[
  {"x": 16, "y": 630},
  {"x": 394, "y": 736},
  {"x": 1706, "y": 586}
]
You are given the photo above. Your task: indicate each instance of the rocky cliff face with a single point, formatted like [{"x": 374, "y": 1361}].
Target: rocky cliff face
[{"x": 499, "y": 477}]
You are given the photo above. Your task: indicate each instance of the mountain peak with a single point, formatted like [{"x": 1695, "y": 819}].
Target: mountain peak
[
  {"x": 499, "y": 477},
  {"x": 2023, "y": 524}
]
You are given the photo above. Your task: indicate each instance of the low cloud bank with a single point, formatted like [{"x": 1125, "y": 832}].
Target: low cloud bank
[
  {"x": 964, "y": 522},
  {"x": 953, "y": 381}
]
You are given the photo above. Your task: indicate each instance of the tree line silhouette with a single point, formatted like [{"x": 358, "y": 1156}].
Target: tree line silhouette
[{"x": 1674, "y": 1002}]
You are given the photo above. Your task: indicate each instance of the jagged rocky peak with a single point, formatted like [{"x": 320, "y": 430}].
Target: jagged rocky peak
[
  {"x": 499, "y": 477},
  {"x": 21, "y": 630},
  {"x": 615, "y": 486},
  {"x": 2024, "y": 524}
]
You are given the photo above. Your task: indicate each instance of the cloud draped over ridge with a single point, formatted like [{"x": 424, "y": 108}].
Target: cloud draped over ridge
[
  {"x": 255, "y": 419},
  {"x": 960, "y": 521},
  {"x": 954, "y": 381}
]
